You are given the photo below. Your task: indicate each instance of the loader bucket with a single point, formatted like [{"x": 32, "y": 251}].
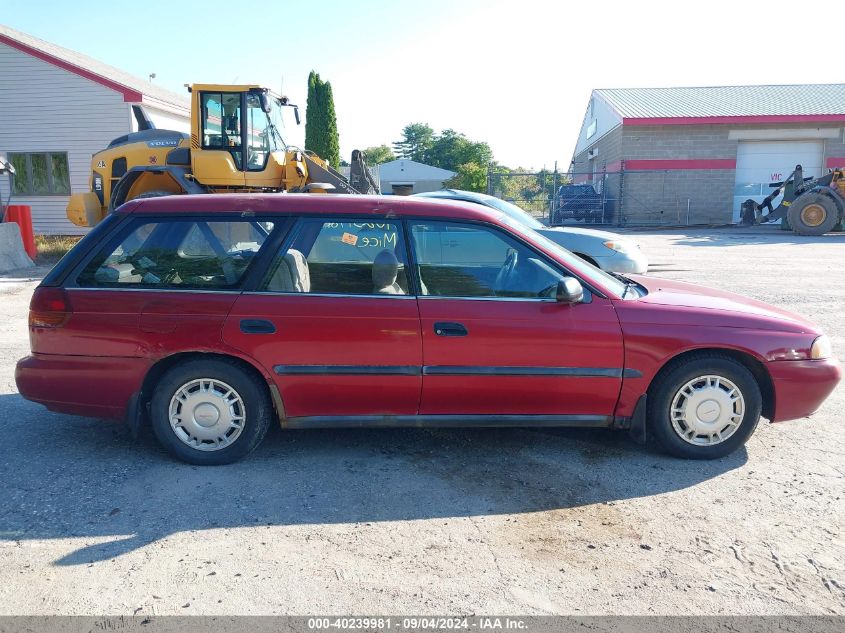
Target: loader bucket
[{"x": 83, "y": 209}]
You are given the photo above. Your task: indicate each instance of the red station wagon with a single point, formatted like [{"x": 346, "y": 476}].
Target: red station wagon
[{"x": 210, "y": 316}]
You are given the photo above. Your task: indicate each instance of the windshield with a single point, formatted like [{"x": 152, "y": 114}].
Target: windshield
[
  {"x": 575, "y": 263},
  {"x": 276, "y": 123},
  {"x": 514, "y": 212},
  {"x": 263, "y": 134}
]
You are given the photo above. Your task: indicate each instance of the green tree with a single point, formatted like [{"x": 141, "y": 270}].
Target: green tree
[
  {"x": 321, "y": 136},
  {"x": 451, "y": 149},
  {"x": 469, "y": 177},
  {"x": 379, "y": 154},
  {"x": 417, "y": 138}
]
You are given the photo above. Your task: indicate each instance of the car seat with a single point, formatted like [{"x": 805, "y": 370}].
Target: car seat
[
  {"x": 292, "y": 274},
  {"x": 385, "y": 271}
]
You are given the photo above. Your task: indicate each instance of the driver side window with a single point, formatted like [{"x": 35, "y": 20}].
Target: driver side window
[{"x": 468, "y": 260}]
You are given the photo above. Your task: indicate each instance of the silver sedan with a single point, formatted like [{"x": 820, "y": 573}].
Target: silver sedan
[{"x": 609, "y": 251}]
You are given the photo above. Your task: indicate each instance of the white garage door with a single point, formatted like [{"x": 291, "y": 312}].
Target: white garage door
[{"x": 759, "y": 163}]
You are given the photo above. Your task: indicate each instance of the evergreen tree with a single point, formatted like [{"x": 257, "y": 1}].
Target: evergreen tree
[{"x": 321, "y": 136}]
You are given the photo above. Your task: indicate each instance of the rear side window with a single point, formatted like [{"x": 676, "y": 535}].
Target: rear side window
[
  {"x": 181, "y": 254},
  {"x": 349, "y": 257}
]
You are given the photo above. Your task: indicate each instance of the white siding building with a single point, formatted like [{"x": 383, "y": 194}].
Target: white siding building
[
  {"x": 402, "y": 173},
  {"x": 57, "y": 108}
]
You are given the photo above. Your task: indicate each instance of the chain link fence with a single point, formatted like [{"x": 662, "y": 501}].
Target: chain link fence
[{"x": 619, "y": 198}]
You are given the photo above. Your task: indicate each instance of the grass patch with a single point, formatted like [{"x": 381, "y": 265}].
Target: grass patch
[{"x": 51, "y": 248}]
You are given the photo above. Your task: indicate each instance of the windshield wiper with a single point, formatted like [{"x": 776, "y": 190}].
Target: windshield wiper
[
  {"x": 629, "y": 285},
  {"x": 276, "y": 133}
]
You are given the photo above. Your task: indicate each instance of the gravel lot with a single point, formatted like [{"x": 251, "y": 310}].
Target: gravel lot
[{"x": 445, "y": 521}]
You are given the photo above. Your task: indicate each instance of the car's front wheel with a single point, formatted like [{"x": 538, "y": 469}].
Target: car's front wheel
[
  {"x": 704, "y": 407},
  {"x": 210, "y": 412}
]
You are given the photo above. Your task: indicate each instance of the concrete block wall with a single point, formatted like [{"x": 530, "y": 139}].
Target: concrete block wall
[
  {"x": 677, "y": 196},
  {"x": 609, "y": 153},
  {"x": 677, "y": 142}
]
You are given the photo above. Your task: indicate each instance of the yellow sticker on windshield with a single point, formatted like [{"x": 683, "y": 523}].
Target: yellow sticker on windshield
[{"x": 349, "y": 238}]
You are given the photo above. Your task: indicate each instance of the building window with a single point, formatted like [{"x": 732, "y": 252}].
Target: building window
[{"x": 41, "y": 174}]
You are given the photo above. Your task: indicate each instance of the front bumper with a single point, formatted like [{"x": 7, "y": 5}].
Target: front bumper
[
  {"x": 97, "y": 387},
  {"x": 801, "y": 386},
  {"x": 624, "y": 263}
]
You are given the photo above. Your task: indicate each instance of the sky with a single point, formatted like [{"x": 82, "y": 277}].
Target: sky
[{"x": 517, "y": 74}]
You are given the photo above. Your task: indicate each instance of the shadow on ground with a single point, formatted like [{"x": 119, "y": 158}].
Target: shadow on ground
[
  {"x": 67, "y": 477},
  {"x": 742, "y": 236}
]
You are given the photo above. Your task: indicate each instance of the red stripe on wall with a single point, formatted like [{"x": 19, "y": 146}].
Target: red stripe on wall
[
  {"x": 720, "y": 120},
  {"x": 701, "y": 163},
  {"x": 129, "y": 95},
  {"x": 614, "y": 166},
  {"x": 835, "y": 161}
]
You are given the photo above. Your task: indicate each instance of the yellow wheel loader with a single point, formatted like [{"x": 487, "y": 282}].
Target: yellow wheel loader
[
  {"x": 809, "y": 206},
  {"x": 234, "y": 146}
]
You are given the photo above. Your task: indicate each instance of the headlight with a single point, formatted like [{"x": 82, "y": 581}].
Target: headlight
[
  {"x": 621, "y": 247},
  {"x": 821, "y": 348}
]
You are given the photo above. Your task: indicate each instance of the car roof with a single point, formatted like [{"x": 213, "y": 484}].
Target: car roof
[
  {"x": 311, "y": 203},
  {"x": 454, "y": 194}
]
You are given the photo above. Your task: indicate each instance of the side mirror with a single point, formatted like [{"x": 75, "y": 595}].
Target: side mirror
[{"x": 569, "y": 290}]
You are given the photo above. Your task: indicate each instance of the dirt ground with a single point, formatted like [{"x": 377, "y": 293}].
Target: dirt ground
[{"x": 440, "y": 522}]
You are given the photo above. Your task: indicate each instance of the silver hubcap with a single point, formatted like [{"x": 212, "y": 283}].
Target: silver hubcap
[
  {"x": 707, "y": 410},
  {"x": 207, "y": 414}
]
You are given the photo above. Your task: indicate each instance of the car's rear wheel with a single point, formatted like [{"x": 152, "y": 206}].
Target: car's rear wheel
[
  {"x": 704, "y": 407},
  {"x": 210, "y": 411}
]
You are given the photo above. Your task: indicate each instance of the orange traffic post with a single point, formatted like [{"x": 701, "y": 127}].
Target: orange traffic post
[{"x": 21, "y": 214}]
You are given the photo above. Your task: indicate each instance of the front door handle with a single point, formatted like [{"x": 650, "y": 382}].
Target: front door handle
[
  {"x": 257, "y": 326},
  {"x": 446, "y": 328}
]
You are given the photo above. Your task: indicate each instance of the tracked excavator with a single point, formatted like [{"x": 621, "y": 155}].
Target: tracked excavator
[{"x": 234, "y": 146}]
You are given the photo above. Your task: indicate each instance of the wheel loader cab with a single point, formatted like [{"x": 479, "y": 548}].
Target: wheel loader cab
[{"x": 235, "y": 140}]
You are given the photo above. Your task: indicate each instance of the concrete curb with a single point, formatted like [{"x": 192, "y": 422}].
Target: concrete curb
[{"x": 12, "y": 254}]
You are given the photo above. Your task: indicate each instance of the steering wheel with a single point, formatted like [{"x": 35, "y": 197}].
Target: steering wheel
[{"x": 507, "y": 273}]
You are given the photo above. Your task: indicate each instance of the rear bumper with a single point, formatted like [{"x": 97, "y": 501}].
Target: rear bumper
[
  {"x": 81, "y": 385},
  {"x": 801, "y": 386}
]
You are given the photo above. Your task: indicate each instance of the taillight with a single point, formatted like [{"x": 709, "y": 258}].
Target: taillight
[{"x": 49, "y": 308}]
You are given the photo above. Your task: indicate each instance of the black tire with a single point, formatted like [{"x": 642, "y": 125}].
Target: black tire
[
  {"x": 678, "y": 374},
  {"x": 813, "y": 214},
  {"x": 257, "y": 410}
]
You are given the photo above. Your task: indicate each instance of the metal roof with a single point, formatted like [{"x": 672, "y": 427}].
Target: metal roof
[
  {"x": 726, "y": 101},
  {"x": 133, "y": 88}
]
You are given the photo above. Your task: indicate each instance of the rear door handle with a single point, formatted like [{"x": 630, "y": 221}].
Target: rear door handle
[
  {"x": 445, "y": 328},
  {"x": 257, "y": 326}
]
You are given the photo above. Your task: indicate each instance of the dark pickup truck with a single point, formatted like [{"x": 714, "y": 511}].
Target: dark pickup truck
[{"x": 581, "y": 202}]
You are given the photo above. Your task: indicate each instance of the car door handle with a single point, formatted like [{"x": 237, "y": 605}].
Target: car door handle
[
  {"x": 445, "y": 328},
  {"x": 257, "y": 326}
]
